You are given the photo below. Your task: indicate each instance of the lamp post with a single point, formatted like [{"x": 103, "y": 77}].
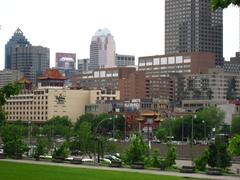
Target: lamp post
[
  {"x": 204, "y": 123},
  {"x": 29, "y": 136},
  {"x": 193, "y": 117},
  {"x": 125, "y": 127},
  {"x": 182, "y": 128},
  {"x": 96, "y": 138}
]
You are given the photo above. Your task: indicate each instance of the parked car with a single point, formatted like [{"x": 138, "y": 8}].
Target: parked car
[{"x": 112, "y": 158}]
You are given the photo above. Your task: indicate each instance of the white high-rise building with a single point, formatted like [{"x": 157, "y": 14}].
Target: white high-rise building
[{"x": 102, "y": 50}]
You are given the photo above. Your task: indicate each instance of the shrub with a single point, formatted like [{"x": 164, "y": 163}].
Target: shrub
[
  {"x": 163, "y": 164},
  {"x": 171, "y": 156},
  {"x": 41, "y": 148},
  {"x": 202, "y": 161},
  {"x": 137, "y": 150},
  {"x": 219, "y": 156},
  {"x": 61, "y": 152},
  {"x": 155, "y": 158}
]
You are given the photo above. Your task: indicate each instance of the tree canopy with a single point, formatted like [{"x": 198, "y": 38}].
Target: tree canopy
[
  {"x": 224, "y": 3},
  {"x": 234, "y": 146},
  {"x": 5, "y": 93}
]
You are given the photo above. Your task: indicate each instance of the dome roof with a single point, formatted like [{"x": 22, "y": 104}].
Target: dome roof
[{"x": 103, "y": 32}]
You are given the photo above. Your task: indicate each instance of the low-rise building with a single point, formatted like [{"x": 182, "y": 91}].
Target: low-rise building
[
  {"x": 124, "y": 60},
  {"x": 43, "y": 103},
  {"x": 9, "y": 76},
  {"x": 232, "y": 66},
  {"x": 216, "y": 84},
  {"x": 126, "y": 79},
  {"x": 51, "y": 99}
]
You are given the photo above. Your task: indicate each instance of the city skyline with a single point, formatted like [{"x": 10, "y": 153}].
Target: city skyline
[{"x": 68, "y": 26}]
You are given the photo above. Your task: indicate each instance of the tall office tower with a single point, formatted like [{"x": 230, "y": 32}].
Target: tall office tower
[
  {"x": 17, "y": 40},
  {"x": 32, "y": 61},
  {"x": 191, "y": 26},
  {"x": 102, "y": 50}
]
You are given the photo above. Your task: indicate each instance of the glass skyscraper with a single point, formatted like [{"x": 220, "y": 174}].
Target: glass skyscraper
[
  {"x": 17, "y": 40},
  {"x": 102, "y": 50},
  {"x": 191, "y": 26}
]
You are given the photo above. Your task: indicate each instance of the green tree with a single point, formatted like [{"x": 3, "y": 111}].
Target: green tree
[
  {"x": 219, "y": 156},
  {"x": 235, "y": 128},
  {"x": 137, "y": 150},
  {"x": 161, "y": 134},
  {"x": 155, "y": 161},
  {"x": 213, "y": 117},
  {"x": 58, "y": 126},
  {"x": 61, "y": 152},
  {"x": 171, "y": 156},
  {"x": 201, "y": 162},
  {"x": 41, "y": 148},
  {"x": 5, "y": 93},
  {"x": 234, "y": 145},
  {"x": 88, "y": 117},
  {"x": 224, "y": 158},
  {"x": 224, "y": 3},
  {"x": 12, "y": 137},
  {"x": 212, "y": 161},
  {"x": 83, "y": 139}
]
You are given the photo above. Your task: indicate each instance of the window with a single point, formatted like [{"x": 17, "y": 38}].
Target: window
[
  {"x": 171, "y": 60},
  {"x": 156, "y": 61},
  {"x": 179, "y": 59},
  {"x": 187, "y": 59},
  {"x": 102, "y": 73},
  {"x": 149, "y": 63},
  {"x": 163, "y": 61},
  {"x": 96, "y": 74}
]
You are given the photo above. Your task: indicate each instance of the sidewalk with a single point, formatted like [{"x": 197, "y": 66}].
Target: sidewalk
[{"x": 195, "y": 175}]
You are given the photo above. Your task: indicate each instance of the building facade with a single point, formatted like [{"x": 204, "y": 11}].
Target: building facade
[
  {"x": 32, "y": 61},
  {"x": 233, "y": 66},
  {"x": 182, "y": 63},
  {"x": 102, "y": 50},
  {"x": 66, "y": 61},
  {"x": 124, "y": 60},
  {"x": 17, "y": 40},
  {"x": 9, "y": 76},
  {"x": 215, "y": 85},
  {"x": 43, "y": 103},
  {"x": 127, "y": 80},
  {"x": 164, "y": 73},
  {"x": 192, "y": 26},
  {"x": 83, "y": 65}
]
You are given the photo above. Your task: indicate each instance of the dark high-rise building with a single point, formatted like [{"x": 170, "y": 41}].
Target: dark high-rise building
[
  {"x": 32, "y": 61},
  {"x": 17, "y": 40},
  {"x": 191, "y": 26}
]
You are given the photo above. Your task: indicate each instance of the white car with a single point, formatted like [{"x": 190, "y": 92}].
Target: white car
[{"x": 1, "y": 151}]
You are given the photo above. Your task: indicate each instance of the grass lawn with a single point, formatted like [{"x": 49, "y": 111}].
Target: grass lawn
[{"x": 20, "y": 171}]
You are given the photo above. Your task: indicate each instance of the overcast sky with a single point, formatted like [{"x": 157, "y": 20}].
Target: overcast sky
[{"x": 68, "y": 25}]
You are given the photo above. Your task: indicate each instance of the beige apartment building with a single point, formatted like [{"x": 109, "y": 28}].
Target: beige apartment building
[{"x": 41, "y": 104}]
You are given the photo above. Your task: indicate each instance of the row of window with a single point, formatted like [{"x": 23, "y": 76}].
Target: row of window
[{"x": 27, "y": 118}]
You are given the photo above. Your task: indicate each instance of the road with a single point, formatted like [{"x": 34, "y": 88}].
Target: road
[{"x": 155, "y": 172}]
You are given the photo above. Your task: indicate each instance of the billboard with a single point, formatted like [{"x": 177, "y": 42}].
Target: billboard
[{"x": 66, "y": 60}]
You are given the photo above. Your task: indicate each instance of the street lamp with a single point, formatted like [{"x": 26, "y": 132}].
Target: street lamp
[
  {"x": 193, "y": 117},
  {"x": 182, "y": 127},
  {"x": 204, "y": 123},
  {"x": 96, "y": 138},
  {"x": 125, "y": 127},
  {"x": 29, "y": 136}
]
